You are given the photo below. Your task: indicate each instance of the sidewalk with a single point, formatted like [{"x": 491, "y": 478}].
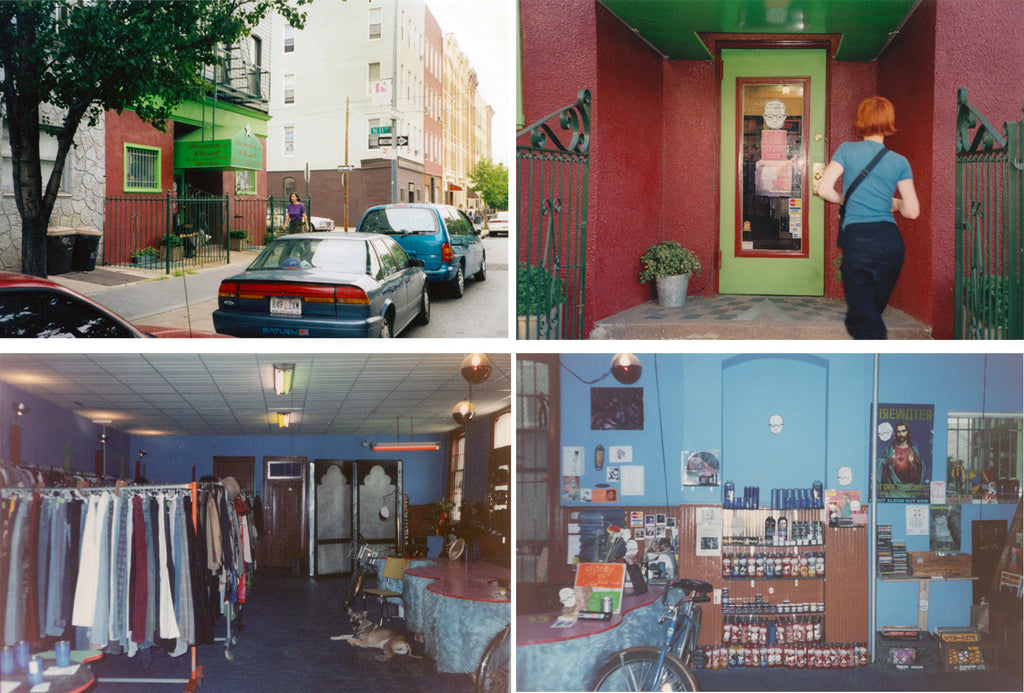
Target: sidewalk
[{"x": 140, "y": 295}]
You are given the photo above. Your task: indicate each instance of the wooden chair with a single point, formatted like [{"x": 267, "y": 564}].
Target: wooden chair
[{"x": 389, "y": 585}]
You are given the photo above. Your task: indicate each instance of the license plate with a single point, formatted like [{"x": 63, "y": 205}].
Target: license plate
[{"x": 285, "y": 306}]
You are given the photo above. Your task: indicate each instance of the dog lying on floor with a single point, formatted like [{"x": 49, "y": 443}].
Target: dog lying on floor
[{"x": 369, "y": 634}]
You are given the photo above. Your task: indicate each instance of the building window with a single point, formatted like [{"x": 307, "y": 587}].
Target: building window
[
  {"x": 373, "y": 75},
  {"x": 289, "y": 141},
  {"x": 47, "y": 158},
  {"x": 982, "y": 449},
  {"x": 289, "y": 187},
  {"x": 245, "y": 182},
  {"x": 376, "y": 14},
  {"x": 141, "y": 168},
  {"x": 501, "y": 433},
  {"x": 456, "y": 471},
  {"x": 289, "y": 38},
  {"x": 289, "y": 88}
]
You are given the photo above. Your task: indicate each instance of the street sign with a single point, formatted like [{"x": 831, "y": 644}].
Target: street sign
[
  {"x": 384, "y": 141},
  {"x": 403, "y": 141},
  {"x": 380, "y": 130}
]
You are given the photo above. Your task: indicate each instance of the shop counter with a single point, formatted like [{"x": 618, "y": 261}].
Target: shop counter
[
  {"x": 568, "y": 659},
  {"x": 458, "y": 608}
]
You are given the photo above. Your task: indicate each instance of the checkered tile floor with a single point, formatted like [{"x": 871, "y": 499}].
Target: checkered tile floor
[{"x": 747, "y": 317}]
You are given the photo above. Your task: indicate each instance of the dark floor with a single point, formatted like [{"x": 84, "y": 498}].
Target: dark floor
[
  {"x": 285, "y": 647},
  {"x": 747, "y": 317}
]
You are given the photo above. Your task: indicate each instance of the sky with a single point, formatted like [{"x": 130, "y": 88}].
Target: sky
[{"x": 484, "y": 31}]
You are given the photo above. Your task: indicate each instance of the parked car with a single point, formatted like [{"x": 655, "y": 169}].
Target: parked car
[
  {"x": 440, "y": 235},
  {"x": 498, "y": 224},
  {"x": 321, "y": 224},
  {"x": 325, "y": 285},
  {"x": 35, "y": 307}
]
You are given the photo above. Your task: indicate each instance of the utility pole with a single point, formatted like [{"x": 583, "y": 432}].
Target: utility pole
[
  {"x": 394, "y": 111},
  {"x": 344, "y": 175}
]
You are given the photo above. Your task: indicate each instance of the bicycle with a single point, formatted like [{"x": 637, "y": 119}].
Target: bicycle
[
  {"x": 366, "y": 557},
  {"x": 667, "y": 668},
  {"x": 492, "y": 674}
]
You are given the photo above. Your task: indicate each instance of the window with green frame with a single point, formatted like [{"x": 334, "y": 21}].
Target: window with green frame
[
  {"x": 245, "y": 182},
  {"x": 141, "y": 168}
]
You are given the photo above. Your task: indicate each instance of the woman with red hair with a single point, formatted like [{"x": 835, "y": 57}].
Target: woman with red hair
[{"x": 873, "y": 249}]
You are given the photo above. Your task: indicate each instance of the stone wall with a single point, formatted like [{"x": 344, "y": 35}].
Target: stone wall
[{"x": 85, "y": 173}]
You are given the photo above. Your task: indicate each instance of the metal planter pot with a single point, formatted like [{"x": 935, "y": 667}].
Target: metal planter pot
[{"x": 672, "y": 290}]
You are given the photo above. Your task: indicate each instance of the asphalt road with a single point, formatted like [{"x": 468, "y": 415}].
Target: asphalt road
[{"x": 189, "y": 301}]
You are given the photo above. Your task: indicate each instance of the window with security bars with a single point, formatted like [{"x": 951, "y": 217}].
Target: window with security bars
[
  {"x": 456, "y": 472},
  {"x": 141, "y": 169},
  {"x": 984, "y": 453},
  {"x": 533, "y": 440}
]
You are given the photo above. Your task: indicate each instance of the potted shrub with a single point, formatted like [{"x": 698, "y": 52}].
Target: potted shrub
[
  {"x": 239, "y": 239},
  {"x": 146, "y": 257},
  {"x": 671, "y": 266},
  {"x": 171, "y": 246},
  {"x": 540, "y": 296}
]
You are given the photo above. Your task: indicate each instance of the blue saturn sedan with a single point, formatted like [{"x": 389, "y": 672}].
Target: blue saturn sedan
[
  {"x": 325, "y": 285},
  {"x": 440, "y": 235}
]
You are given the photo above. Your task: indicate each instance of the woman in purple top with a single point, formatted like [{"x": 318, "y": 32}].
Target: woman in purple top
[{"x": 297, "y": 220}]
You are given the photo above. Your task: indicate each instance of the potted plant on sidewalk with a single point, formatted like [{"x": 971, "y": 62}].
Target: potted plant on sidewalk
[
  {"x": 239, "y": 239},
  {"x": 671, "y": 266},
  {"x": 146, "y": 257},
  {"x": 540, "y": 296}
]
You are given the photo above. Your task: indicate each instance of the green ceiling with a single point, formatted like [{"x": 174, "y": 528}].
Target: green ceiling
[{"x": 671, "y": 26}]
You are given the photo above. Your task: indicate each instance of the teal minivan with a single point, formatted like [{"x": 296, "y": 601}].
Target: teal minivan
[{"x": 440, "y": 235}]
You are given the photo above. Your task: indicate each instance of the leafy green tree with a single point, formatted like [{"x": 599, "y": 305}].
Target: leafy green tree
[
  {"x": 490, "y": 180},
  {"x": 84, "y": 57}
]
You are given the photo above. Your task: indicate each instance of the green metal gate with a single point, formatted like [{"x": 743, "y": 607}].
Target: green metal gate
[
  {"x": 989, "y": 287},
  {"x": 552, "y": 180}
]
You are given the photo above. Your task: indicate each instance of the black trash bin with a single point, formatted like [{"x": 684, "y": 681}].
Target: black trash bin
[
  {"x": 87, "y": 244},
  {"x": 60, "y": 246}
]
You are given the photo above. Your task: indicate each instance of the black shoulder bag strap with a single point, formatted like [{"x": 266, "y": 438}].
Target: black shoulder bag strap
[{"x": 860, "y": 178}]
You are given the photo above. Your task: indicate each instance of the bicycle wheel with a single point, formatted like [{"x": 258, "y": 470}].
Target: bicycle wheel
[
  {"x": 634, "y": 670},
  {"x": 690, "y": 637},
  {"x": 492, "y": 674}
]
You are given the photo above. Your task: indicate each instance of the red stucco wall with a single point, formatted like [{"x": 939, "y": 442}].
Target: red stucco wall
[
  {"x": 690, "y": 170},
  {"x": 129, "y": 128},
  {"x": 906, "y": 77}
]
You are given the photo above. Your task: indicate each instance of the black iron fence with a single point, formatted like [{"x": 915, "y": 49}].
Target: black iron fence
[
  {"x": 552, "y": 180},
  {"x": 989, "y": 286}
]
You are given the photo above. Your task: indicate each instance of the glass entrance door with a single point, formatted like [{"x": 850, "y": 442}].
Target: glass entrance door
[{"x": 771, "y": 228}]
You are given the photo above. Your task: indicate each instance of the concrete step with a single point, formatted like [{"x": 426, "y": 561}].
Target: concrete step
[{"x": 747, "y": 317}]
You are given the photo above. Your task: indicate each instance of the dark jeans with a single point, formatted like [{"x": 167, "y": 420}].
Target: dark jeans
[{"x": 872, "y": 259}]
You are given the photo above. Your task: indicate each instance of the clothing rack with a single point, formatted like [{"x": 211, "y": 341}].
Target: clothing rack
[{"x": 196, "y": 671}]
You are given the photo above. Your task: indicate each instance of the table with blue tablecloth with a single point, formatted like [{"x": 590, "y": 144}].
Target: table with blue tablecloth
[
  {"x": 568, "y": 659},
  {"x": 457, "y": 607}
]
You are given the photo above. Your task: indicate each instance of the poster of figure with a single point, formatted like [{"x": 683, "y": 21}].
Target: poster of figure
[
  {"x": 904, "y": 466},
  {"x": 945, "y": 526},
  {"x": 570, "y": 488},
  {"x": 617, "y": 409}
]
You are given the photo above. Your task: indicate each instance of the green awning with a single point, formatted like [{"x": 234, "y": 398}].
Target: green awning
[{"x": 242, "y": 150}]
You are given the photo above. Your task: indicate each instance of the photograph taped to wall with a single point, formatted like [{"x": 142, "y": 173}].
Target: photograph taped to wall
[
  {"x": 945, "y": 528},
  {"x": 904, "y": 466},
  {"x": 572, "y": 461}
]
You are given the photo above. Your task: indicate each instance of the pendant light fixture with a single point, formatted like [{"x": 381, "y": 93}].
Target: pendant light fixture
[
  {"x": 284, "y": 374},
  {"x": 476, "y": 368},
  {"x": 626, "y": 368}
]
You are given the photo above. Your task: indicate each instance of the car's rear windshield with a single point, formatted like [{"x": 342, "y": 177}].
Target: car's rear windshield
[
  {"x": 400, "y": 221},
  {"x": 307, "y": 253}
]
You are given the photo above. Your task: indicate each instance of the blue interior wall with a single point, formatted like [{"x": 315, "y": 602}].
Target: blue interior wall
[
  {"x": 684, "y": 409},
  {"x": 50, "y": 435}
]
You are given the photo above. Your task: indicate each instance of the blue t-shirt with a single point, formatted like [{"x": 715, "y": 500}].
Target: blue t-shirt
[{"x": 872, "y": 200}]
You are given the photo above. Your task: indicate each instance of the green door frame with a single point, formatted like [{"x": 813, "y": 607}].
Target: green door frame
[{"x": 795, "y": 274}]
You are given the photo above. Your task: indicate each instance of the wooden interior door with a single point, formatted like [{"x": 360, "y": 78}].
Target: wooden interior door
[
  {"x": 284, "y": 518},
  {"x": 242, "y": 468}
]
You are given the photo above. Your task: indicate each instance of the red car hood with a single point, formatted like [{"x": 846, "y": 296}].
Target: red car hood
[{"x": 179, "y": 332}]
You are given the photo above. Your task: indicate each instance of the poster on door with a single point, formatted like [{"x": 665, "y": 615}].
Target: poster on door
[{"x": 904, "y": 466}]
